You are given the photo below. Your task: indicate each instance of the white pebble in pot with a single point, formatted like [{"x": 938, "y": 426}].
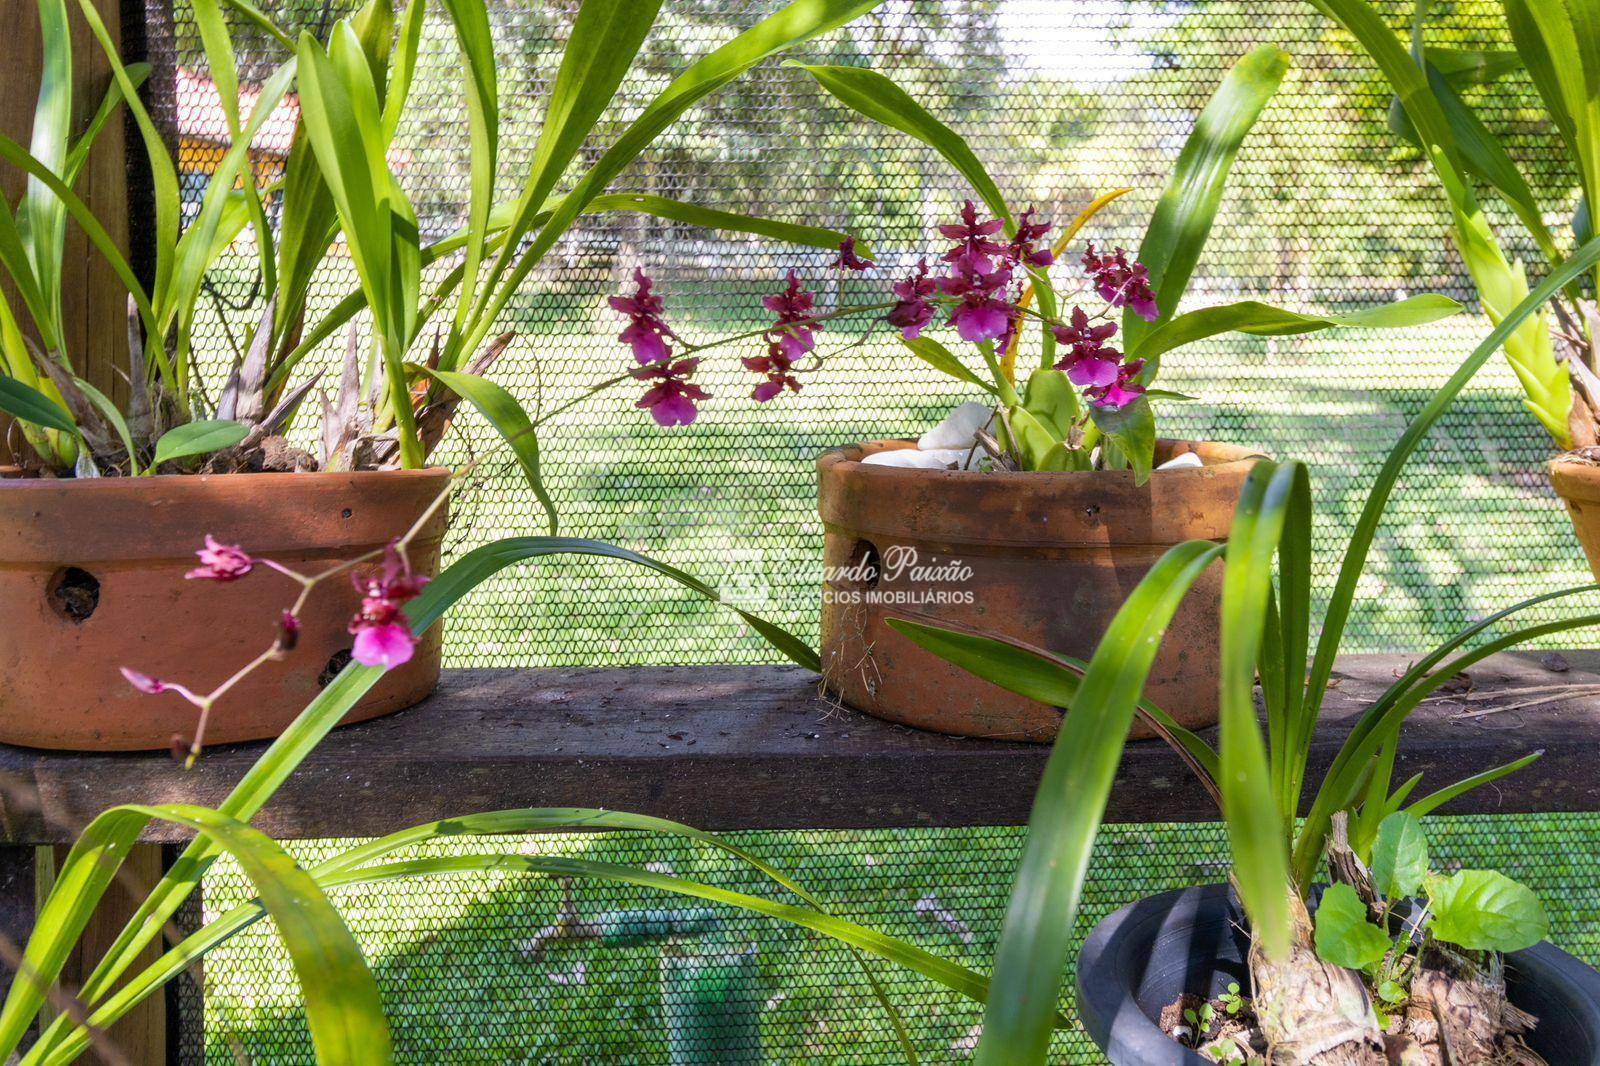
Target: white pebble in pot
[
  {"x": 959, "y": 428},
  {"x": 1181, "y": 462},
  {"x": 934, "y": 459}
]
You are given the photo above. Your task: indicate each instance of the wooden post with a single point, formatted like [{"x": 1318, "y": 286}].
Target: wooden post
[
  {"x": 141, "y": 1035},
  {"x": 94, "y": 301}
]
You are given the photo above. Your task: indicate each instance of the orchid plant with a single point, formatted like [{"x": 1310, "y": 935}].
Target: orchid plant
[
  {"x": 433, "y": 341},
  {"x": 1087, "y": 404},
  {"x": 1278, "y": 836},
  {"x": 1555, "y": 356}
]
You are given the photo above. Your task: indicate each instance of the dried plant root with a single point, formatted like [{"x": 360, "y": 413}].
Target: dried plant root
[{"x": 1310, "y": 1011}]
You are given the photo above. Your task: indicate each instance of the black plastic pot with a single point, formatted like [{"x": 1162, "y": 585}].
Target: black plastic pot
[{"x": 1145, "y": 955}]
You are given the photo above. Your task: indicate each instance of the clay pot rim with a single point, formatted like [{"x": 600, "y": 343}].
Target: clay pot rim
[
  {"x": 1575, "y": 481},
  {"x": 267, "y": 479},
  {"x": 1217, "y": 458}
]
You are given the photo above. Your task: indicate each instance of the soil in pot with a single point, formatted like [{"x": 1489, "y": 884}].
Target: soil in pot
[
  {"x": 92, "y": 579},
  {"x": 1042, "y": 557},
  {"x": 1145, "y": 958}
]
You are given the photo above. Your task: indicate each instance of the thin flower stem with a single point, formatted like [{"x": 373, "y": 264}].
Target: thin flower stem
[{"x": 809, "y": 320}]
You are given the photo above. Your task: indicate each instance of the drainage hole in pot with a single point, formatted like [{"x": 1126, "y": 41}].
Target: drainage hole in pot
[
  {"x": 73, "y": 593},
  {"x": 336, "y": 662},
  {"x": 346, "y": 513},
  {"x": 866, "y": 565}
]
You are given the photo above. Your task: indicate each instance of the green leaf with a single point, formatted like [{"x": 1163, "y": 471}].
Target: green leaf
[
  {"x": 52, "y": 129},
  {"x": 30, "y": 405},
  {"x": 481, "y": 84},
  {"x": 1037, "y": 934},
  {"x": 1052, "y": 399},
  {"x": 198, "y": 438},
  {"x": 1344, "y": 937},
  {"x": 1274, "y": 507},
  {"x": 502, "y": 411},
  {"x": 113, "y": 416},
  {"x": 881, "y": 100},
  {"x": 1264, "y": 320},
  {"x": 1033, "y": 441},
  {"x": 1037, "y": 674},
  {"x": 163, "y": 173},
  {"x": 1183, "y": 216},
  {"x": 711, "y": 218},
  {"x": 1434, "y": 800},
  {"x": 605, "y": 38},
  {"x": 1466, "y": 66},
  {"x": 1484, "y": 910},
  {"x": 345, "y": 869},
  {"x": 1399, "y": 856},
  {"x": 343, "y": 1009},
  {"x": 1132, "y": 429},
  {"x": 793, "y": 24},
  {"x": 1501, "y": 283},
  {"x": 1362, "y": 743},
  {"x": 14, "y": 154},
  {"x": 944, "y": 360},
  {"x": 329, "y": 707},
  {"x": 138, "y": 73}
]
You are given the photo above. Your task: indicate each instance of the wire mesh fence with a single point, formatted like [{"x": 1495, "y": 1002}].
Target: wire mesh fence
[
  {"x": 1325, "y": 211},
  {"x": 508, "y": 969}
]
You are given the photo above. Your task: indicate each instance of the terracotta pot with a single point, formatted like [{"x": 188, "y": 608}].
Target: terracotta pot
[
  {"x": 91, "y": 579},
  {"x": 1578, "y": 485},
  {"x": 1046, "y": 558}
]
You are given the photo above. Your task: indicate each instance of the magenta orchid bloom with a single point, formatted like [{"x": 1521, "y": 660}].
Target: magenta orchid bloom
[
  {"x": 794, "y": 332},
  {"x": 152, "y": 686},
  {"x": 671, "y": 399},
  {"x": 1022, "y": 250},
  {"x": 848, "y": 260},
  {"x": 974, "y": 253},
  {"x": 1120, "y": 283},
  {"x": 1122, "y": 391},
  {"x": 777, "y": 367},
  {"x": 982, "y": 314},
  {"x": 1087, "y": 362},
  {"x": 913, "y": 312},
  {"x": 978, "y": 291},
  {"x": 647, "y": 332},
  {"x": 383, "y": 636},
  {"x": 220, "y": 562}
]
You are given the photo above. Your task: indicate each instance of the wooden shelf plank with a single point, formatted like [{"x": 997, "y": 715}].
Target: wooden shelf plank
[{"x": 759, "y": 748}]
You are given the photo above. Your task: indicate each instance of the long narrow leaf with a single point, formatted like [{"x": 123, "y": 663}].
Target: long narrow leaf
[
  {"x": 343, "y": 869},
  {"x": 605, "y": 39},
  {"x": 1275, "y": 504},
  {"x": 30, "y": 405},
  {"x": 1264, "y": 320},
  {"x": 1337, "y": 613},
  {"x": 1037, "y": 933},
  {"x": 1182, "y": 220},
  {"x": 334, "y": 701},
  {"x": 1434, "y": 800},
  {"x": 793, "y": 24},
  {"x": 1038, "y": 674},
  {"x": 880, "y": 99},
  {"x": 343, "y": 1009},
  {"x": 502, "y": 411}
]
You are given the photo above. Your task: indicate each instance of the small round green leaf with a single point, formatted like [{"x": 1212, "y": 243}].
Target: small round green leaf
[
  {"x": 1344, "y": 937},
  {"x": 1399, "y": 856}
]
